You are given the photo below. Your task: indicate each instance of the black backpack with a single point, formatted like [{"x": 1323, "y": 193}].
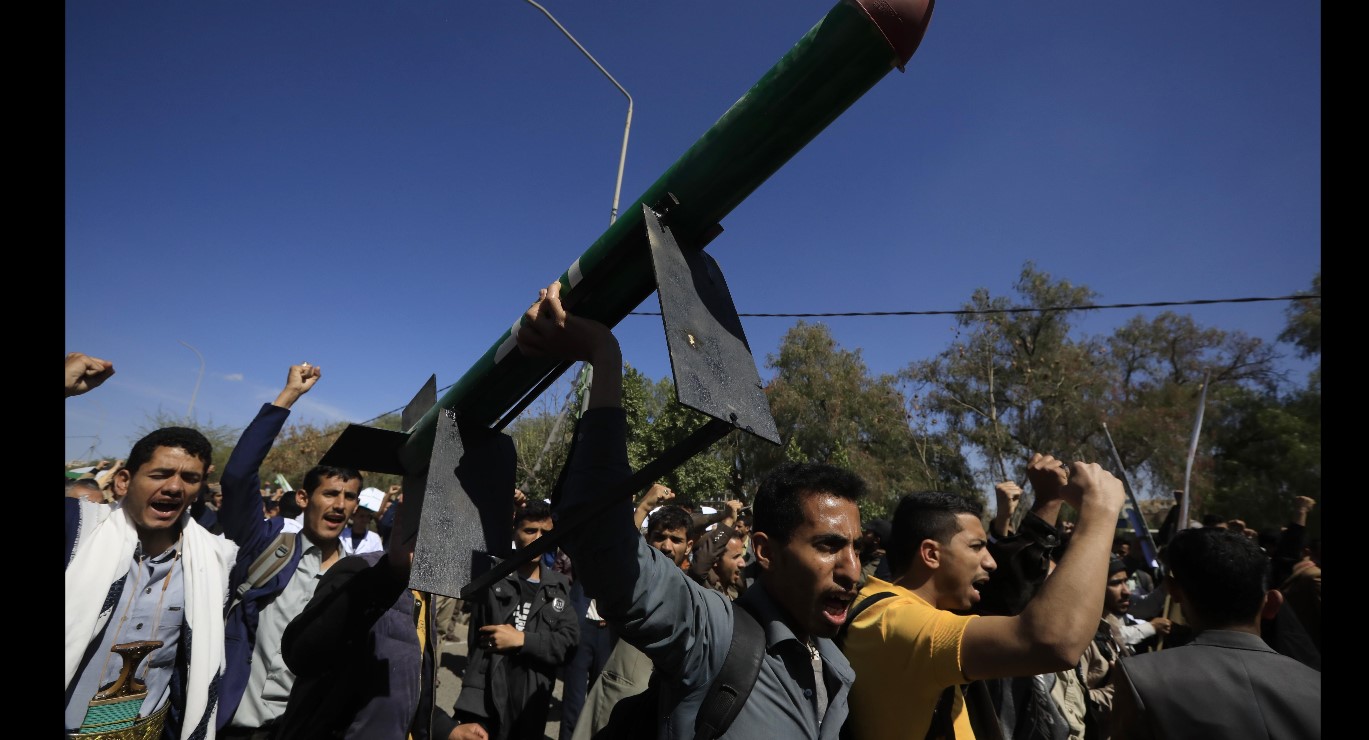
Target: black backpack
[{"x": 635, "y": 717}]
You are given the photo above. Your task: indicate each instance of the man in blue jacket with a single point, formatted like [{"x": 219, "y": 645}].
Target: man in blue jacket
[{"x": 257, "y": 682}]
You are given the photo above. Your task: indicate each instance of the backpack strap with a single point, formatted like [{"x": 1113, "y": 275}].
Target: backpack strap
[
  {"x": 869, "y": 601},
  {"x": 268, "y": 564},
  {"x": 734, "y": 681}
]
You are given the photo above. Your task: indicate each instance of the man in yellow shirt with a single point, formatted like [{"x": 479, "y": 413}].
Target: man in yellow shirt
[{"x": 908, "y": 648}]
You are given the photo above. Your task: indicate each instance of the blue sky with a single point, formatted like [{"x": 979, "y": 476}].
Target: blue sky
[{"x": 379, "y": 188}]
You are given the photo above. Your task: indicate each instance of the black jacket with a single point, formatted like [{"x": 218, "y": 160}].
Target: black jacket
[
  {"x": 551, "y": 631},
  {"x": 355, "y": 654}
]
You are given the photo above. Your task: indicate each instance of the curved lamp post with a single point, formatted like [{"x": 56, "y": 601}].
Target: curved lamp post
[
  {"x": 618, "y": 186},
  {"x": 190, "y": 412}
]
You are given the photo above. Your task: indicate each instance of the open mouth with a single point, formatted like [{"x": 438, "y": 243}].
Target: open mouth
[
  {"x": 335, "y": 519},
  {"x": 834, "y": 606},
  {"x": 165, "y": 508}
]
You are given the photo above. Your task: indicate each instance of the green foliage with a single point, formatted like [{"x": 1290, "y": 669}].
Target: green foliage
[
  {"x": 1157, "y": 369},
  {"x": 1304, "y": 329},
  {"x": 542, "y": 440},
  {"x": 1018, "y": 382},
  {"x": 829, "y": 409},
  {"x": 298, "y": 448},
  {"x": 657, "y": 422},
  {"x": 1014, "y": 382},
  {"x": 1304, "y": 322},
  {"x": 1267, "y": 450}
]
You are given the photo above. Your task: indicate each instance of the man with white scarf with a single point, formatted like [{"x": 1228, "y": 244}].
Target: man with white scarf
[{"x": 141, "y": 578}]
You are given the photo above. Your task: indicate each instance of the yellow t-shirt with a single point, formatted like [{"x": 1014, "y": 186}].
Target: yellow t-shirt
[{"x": 905, "y": 653}]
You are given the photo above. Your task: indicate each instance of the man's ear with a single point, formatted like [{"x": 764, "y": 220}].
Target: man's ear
[
  {"x": 1176, "y": 592},
  {"x": 301, "y": 498},
  {"x": 762, "y": 548},
  {"x": 121, "y": 481},
  {"x": 929, "y": 553},
  {"x": 1273, "y": 600}
]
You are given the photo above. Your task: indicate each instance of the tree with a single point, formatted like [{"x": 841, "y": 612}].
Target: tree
[
  {"x": 298, "y": 448},
  {"x": 1266, "y": 451},
  {"x": 1019, "y": 382},
  {"x": 542, "y": 439},
  {"x": 656, "y": 422},
  {"x": 1157, "y": 369},
  {"x": 1304, "y": 328},
  {"x": 829, "y": 409},
  {"x": 1014, "y": 382},
  {"x": 1267, "y": 447}
]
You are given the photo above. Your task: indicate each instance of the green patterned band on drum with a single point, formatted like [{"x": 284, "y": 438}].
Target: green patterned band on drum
[
  {"x": 117, "y": 714},
  {"x": 110, "y": 721}
]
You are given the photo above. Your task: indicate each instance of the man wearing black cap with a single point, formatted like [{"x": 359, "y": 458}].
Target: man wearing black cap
[
  {"x": 1118, "y": 636},
  {"x": 1138, "y": 635}
]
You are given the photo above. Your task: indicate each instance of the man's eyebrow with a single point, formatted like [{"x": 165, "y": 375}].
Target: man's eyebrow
[
  {"x": 169, "y": 469},
  {"x": 831, "y": 538}
]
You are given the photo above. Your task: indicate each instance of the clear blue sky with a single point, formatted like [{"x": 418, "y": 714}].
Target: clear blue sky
[{"x": 379, "y": 188}]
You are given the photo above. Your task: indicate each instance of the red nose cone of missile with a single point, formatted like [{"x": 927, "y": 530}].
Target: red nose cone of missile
[{"x": 903, "y": 22}]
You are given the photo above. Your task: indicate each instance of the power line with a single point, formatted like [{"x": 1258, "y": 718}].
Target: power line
[
  {"x": 968, "y": 311},
  {"x": 1021, "y": 309}
]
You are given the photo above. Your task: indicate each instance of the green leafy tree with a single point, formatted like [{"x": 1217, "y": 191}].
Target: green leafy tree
[
  {"x": 542, "y": 438},
  {"x": 830, "y": 409},
  {"x": 1266, "y": 446},
  {"x": 1017, "y": 381},
  {"x": 1157, "y": 368},
  {"x": 657, "y": 422},
  {"x": 1266, "y": 450},
  {"x": 1304, "y": 329},
  {"x": 298, "y": 448},
  {"x": 1014, "y": 382}
]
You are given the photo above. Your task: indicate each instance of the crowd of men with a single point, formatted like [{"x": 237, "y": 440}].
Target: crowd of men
[{"x": 787, "y": 618}]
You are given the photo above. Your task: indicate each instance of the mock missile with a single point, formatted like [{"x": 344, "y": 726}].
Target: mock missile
[
  {"x": 850, "y": 49},
  {"x": 853, "y": 47}
]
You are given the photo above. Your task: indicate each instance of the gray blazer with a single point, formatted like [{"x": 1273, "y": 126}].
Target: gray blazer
[{"x": 1224, "y": 684}]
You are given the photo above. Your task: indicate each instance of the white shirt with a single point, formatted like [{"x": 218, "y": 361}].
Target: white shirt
[{"x": 370, "y": 543}]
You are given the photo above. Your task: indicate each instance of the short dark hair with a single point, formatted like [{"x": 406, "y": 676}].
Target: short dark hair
[
  {"x": 84, "y": 483},
  {"x": 534, "y": 511},
  {"x": 925, "y": 515},
  {"x": 669, "y": 517},
  {"x": 1224, "y": 574},
  {"x": 778, "y": 505},
  {"x": 319, "y": 472},
  {"x": 179, "y": 438}
]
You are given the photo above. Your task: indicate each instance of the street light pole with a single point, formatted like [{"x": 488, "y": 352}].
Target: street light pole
[
  {"x": 622, "y": 157},
  {"x": 190, "y": 412},
  {"x": 586, "y": 371}
]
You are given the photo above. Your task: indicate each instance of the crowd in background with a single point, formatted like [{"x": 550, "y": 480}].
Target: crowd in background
[{"x": 203, "y": 604}]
